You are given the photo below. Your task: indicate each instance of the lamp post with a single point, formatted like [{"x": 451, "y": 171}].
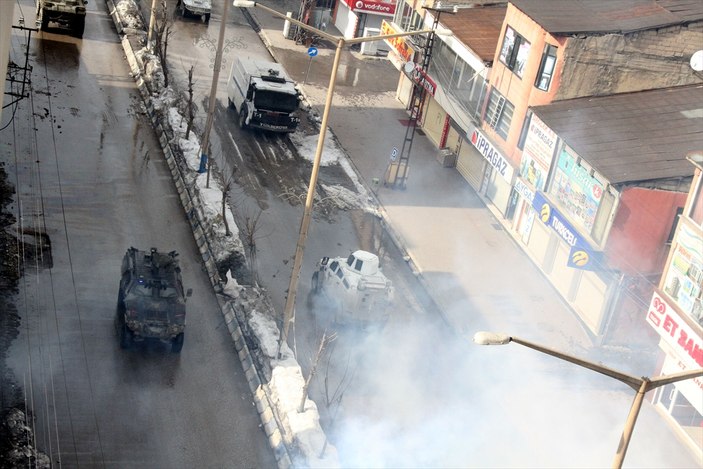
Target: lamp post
[
  {"x": 640, "y": 385},
  {"x": 340, "y": 41}
]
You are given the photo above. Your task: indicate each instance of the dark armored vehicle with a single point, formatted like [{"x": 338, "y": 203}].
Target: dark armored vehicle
[
  {"x": 151, "y": 300},
  {"x": 68, "y": 14}
]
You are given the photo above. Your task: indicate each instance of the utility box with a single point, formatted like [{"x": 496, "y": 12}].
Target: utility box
[{"x": 447, "y": 158}]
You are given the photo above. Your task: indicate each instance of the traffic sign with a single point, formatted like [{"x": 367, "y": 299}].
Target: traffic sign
[
  {"x": 312, "y": 51},
  {"x": 394, "y": 154}
]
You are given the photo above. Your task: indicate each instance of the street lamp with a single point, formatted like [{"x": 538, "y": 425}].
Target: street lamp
[
  {"x": 307, "y": 214},
  {"x": 641, "y": 385}
]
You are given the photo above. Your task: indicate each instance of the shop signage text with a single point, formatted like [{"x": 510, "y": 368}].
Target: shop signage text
[
  {"x": 420, "y": 77},
  {"x": 399, "y": 44},
  {"x": 372, "y": 6},
  {"x": 675, "y": 332},
  {"x": 524, "y": 190},
  {"x": 581, "y": 256},
  {"x": 493, "y": 156}
]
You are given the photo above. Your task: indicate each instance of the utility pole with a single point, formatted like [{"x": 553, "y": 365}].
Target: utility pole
[{"x": 213, "y": 94}]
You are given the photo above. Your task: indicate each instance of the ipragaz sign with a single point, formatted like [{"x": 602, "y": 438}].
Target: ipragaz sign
[{"x": 492, "y": 155}]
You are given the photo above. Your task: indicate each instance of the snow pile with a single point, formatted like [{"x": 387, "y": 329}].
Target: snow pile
[
  {"x": 130, "y": 16},
  {"x": 301, "y": 429}
]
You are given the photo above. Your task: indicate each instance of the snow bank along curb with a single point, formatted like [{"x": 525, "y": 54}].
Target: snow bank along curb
[
  {"x": 395, "y": 237},
  {"x": 280, "y": 420}
]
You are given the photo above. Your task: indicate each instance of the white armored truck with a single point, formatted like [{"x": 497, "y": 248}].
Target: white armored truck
[
  {"x": 264, "y": 95},
  {"x": 355, "y": 290}
]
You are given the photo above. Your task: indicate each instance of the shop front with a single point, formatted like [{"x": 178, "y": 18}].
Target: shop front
[
  {"x": 682, "y": 401},
  {"x": 565, "y": 257},
  {"x": 354, "y": 17},
  {"x": 497, "y": 176}
]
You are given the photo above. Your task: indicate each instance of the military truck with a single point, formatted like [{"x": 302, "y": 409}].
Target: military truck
[
  {"x": 66, "y": 14},
  {"x": 201, "y": 8},
  {"x": 264, "y": 95},
  {"x": 355, "y": 290},
  {"x": 151, "y": 303}
]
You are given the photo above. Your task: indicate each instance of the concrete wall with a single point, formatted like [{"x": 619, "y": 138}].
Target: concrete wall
[
  {"x": 637, "y": 240},
  {"x": 619, "y": 63}
]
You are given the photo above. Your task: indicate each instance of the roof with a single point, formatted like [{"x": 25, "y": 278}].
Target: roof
[
  {"x": 632, "y": 137},
  {"x": 478, "y": 28},
  {"x": 609, "y": 16}
]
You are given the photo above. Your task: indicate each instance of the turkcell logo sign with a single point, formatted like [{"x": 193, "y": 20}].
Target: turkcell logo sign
[
  {"x": 493, "y": 156},
  {"x": 581, "y": 255}
]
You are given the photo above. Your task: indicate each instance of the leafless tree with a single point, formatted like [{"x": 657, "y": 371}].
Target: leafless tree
[
  {"x": 190, "y": 105},
  {"x": 324, "y": 342},
  {"x": 162, "y": 28},
  {"x": 333, "y": 397},
  {"x": 250, "y": 234}
]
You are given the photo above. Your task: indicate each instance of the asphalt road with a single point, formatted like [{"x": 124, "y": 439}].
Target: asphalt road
[{"x": 90, "y": 178}]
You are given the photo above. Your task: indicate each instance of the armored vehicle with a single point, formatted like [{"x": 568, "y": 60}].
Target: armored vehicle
[
  {"x": 356, "y": 291},
  {"x": 151, "y": 300},
  {"x": 67, "y": 14},
  {"x": 201, "y": 8}
]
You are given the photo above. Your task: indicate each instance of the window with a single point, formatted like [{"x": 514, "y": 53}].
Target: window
[
  {"x": 670, "y": 238},
  {"x": 464, "y": 86},
  {"x": 514, "y": 51},
  {"x": 407, "y": 18},
  {"x": 696, "y": 210},
  {"x": 546, "y": 68},
  {"x": 499, "y": 113}
]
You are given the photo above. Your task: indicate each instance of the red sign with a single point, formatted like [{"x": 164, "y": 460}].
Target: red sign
[
  {"x": 419, "y": 76},
  {"x": 374, "y": 7},
  {"x": 675, "y": 332},
  {"x": 399, "y": 44}
]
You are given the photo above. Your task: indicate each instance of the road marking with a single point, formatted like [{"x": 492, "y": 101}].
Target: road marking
[{"x": 239, "y": 153}]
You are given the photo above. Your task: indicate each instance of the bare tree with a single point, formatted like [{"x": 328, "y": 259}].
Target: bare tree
[
  {"x": 334, "y": 401},
  {"x": 250, "y": 235},
  {"x": 324, "y": 342},
  {"x": 162, "y": 28},
  {"x": 190, "y": 105}
]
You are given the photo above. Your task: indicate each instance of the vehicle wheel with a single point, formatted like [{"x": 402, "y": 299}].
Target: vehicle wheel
[
  {"x": 79, "y": 27},
  {"x": 243, "y": 118},
  {"x": 177, "y": 343},
  {"x": 125, "y": 337},
  {"x": 316, "y": 282},
  {"x": 206, "y": 18},
  {"x": 44, "y": 20}
]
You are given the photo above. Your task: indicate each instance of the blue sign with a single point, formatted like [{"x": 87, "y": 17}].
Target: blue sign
[
  {"x": 581, "y": 256},
  {"x": 312, "y": 51}
]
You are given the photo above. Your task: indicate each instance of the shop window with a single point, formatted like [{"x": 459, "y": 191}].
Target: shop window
[
  {"x": 696, "y": 211},
  {"x": 670, "y": 238},
  {"x": 499, "y": 113},
  {"x": 546, "y": 68},
  {"x": 514, "y": 51}
]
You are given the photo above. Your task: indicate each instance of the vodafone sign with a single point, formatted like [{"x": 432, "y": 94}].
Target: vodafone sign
[{"x": 373, "y": 7}]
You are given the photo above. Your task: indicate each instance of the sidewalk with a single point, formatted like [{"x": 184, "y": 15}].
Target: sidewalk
[{"x": 470, "y": 264}]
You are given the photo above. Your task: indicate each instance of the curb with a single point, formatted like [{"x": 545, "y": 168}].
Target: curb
[{"x": 190, "y": 203}]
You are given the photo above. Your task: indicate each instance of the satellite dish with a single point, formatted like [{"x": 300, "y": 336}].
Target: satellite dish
[{"x": 697, "y": 61}]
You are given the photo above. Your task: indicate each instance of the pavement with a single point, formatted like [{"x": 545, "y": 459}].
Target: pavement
[{"x": 453, "y": 238}]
